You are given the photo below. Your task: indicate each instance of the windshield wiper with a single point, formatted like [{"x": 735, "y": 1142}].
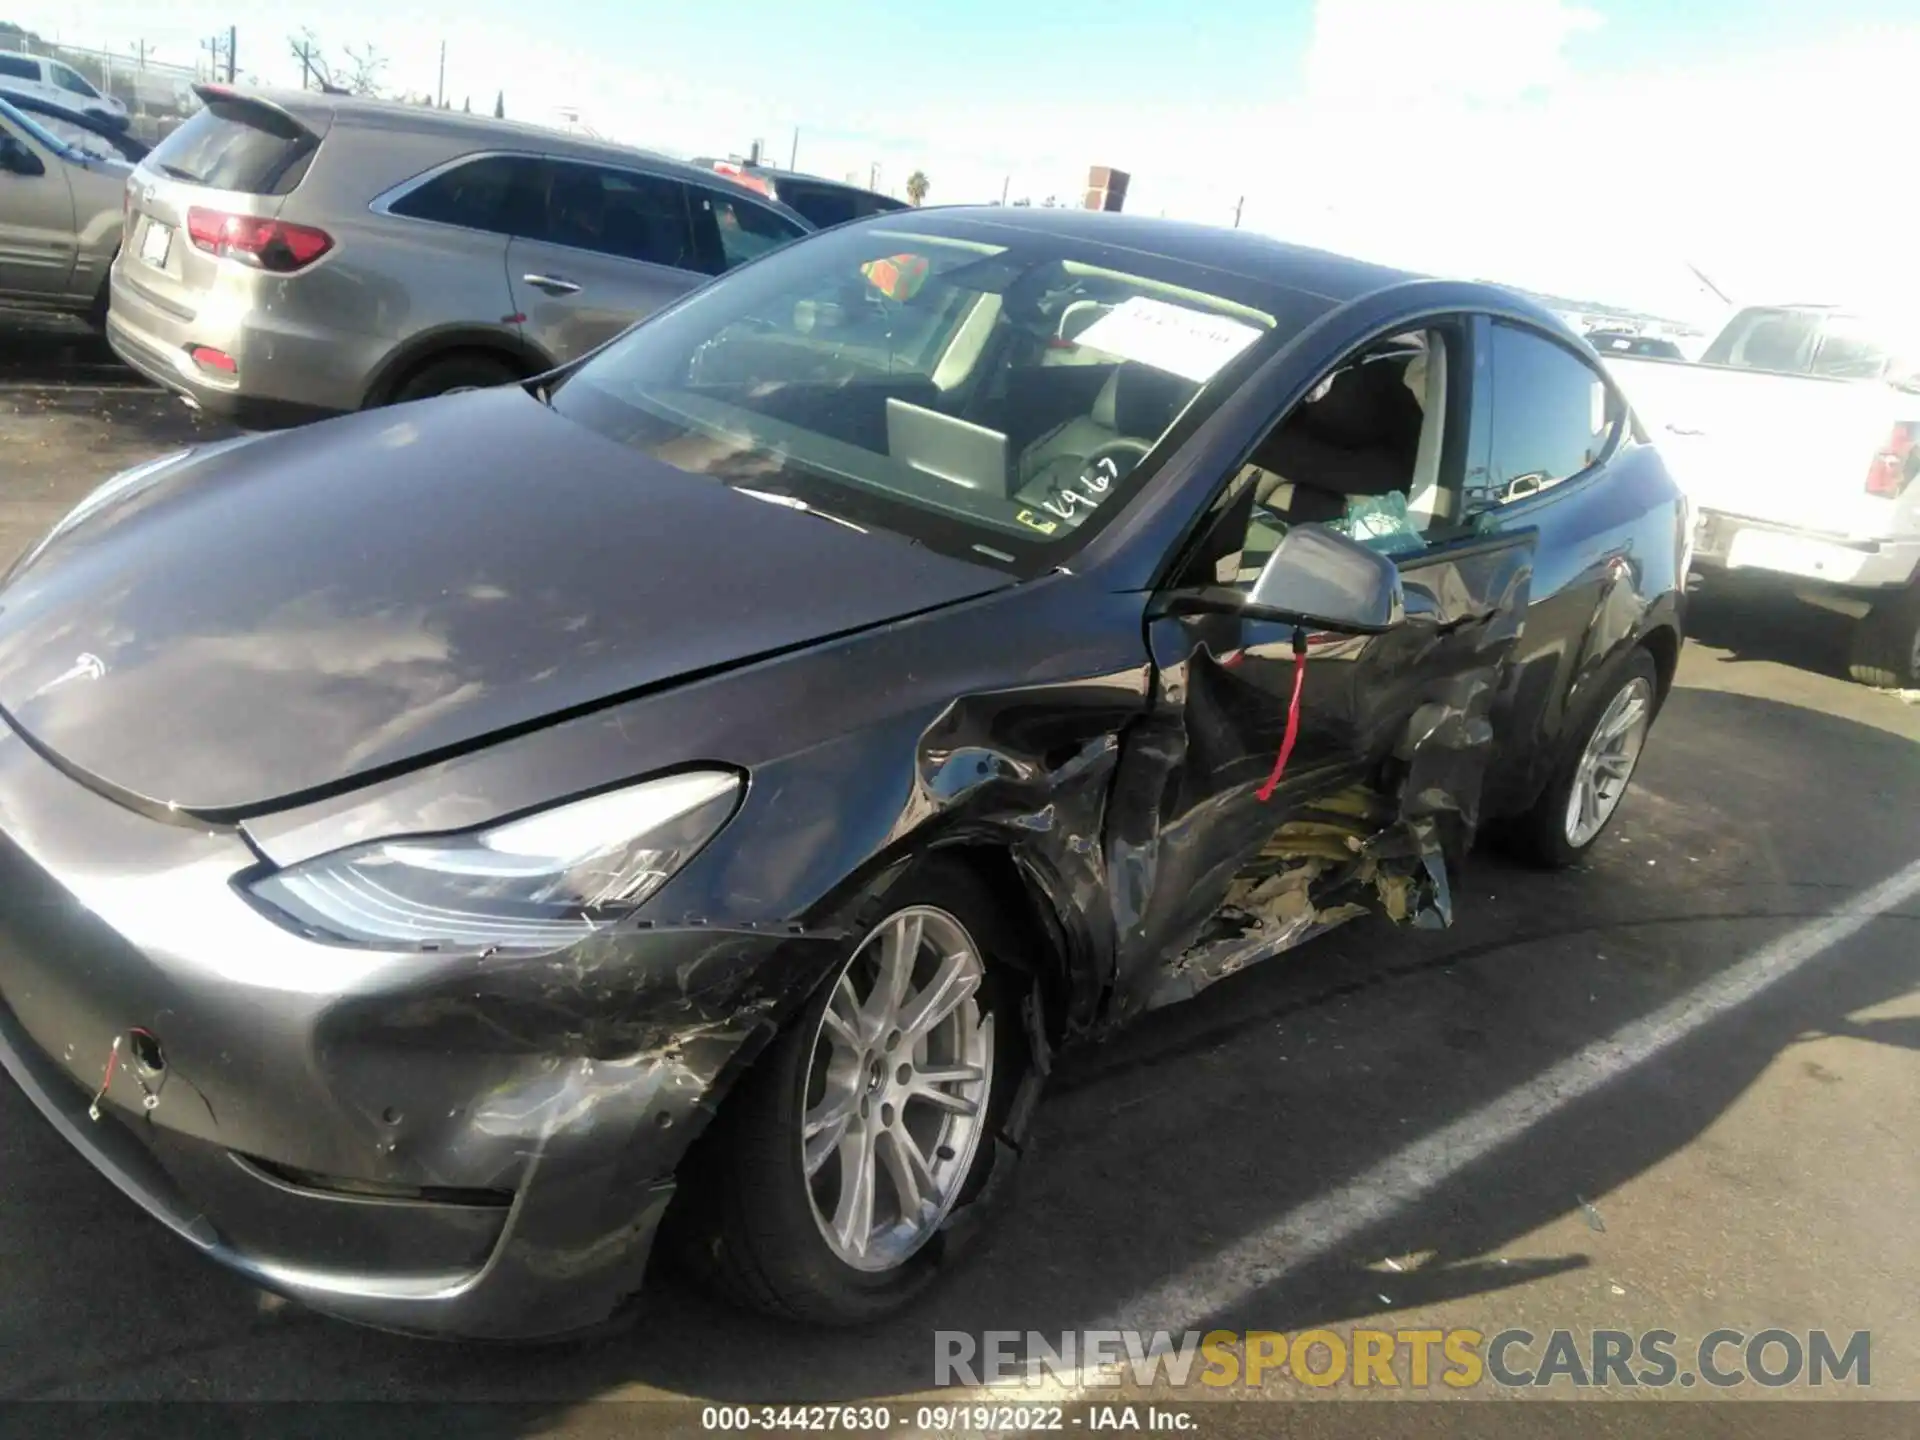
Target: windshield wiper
[
  {"x": 177, "y": 173},
  {"x": 794, "y": 502}
]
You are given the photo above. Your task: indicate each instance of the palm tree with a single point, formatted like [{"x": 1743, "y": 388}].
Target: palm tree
[{"x": 917, "y": 187}]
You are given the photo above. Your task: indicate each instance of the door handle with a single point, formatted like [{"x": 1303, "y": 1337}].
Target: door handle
[{"x": 552, "y": 284}]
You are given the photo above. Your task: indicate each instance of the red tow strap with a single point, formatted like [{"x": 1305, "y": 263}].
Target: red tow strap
[{"x": 1265, "y": 792}]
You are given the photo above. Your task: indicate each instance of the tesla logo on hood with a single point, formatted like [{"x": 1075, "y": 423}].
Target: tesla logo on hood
[{"x": 85, "y": 667}]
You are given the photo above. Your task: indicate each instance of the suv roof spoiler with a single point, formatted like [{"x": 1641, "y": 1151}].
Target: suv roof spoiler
[{"x": 209, "y": 92}]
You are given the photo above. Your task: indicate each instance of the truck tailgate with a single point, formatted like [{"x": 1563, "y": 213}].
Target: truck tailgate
[{"x": 1786, "y": 449}]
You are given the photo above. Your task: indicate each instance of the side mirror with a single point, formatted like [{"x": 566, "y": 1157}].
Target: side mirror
[
  {"x": 1315, "y": 577},
  {"x": 17, "y": 159}
]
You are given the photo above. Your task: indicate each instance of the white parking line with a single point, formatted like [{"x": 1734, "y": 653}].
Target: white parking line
[{"x": 1310, "y": 1231}]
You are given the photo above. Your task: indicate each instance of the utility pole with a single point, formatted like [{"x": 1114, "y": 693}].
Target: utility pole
[
  {"x": 440, "y": 95},
  {"x": 873, "y": 176},
  {"x": 1007, "y": 181},
  {"x": 1238, "y": 206},
  {"x": 793, "y": 155},
  {"x": 140, "y": 49},
  {"x": 217, "y": 47}
]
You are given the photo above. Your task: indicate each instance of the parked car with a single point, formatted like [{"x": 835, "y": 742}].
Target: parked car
[
  {"x": 1798, "y": 439},
  {"x": 60, "y": 220},
  {"x": 81, "y": 130},
  {"x": 298, "y": 255},
  {"x": 1624, "y": 342},
  {"x": 822, "y": 202},
  {"x": 45, "y": 78},
  {"x": 418, "y": 826}
]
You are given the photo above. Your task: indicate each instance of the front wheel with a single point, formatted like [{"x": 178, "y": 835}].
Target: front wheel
[
  {"x": 827, "y": 1182},
  {"x": 1886, "y": 643},
  {"x": 1594, "y": 770}
]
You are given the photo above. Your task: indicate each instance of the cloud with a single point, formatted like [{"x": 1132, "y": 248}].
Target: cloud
[{"x": 1461, "y": 50}]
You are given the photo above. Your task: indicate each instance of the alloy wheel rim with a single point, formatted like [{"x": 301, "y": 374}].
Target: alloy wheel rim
[
  {"x": 1606, "y": 765},
  {"x": 897, "y": 1084}
]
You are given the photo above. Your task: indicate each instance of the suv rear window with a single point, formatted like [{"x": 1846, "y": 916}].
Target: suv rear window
[{"x": 235, "y": 145}]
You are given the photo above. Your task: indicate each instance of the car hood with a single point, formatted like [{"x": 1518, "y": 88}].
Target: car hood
[{"x": 284, "y": 616}]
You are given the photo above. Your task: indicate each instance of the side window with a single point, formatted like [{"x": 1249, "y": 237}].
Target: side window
[
  {"x": 741, "y": 230},
  {"x": 1551, "y": 417},
  {"x": 624, "y": 213},
  {"x": 1848, "y": 351},
  {"x": 1373, "y": 451},
  {"x": 19, "y": 68},
  {"x": 71, "y": 80},
  {"x": 483, "y": 194},
  {"x": 822, "y": 206},
  {"x": 1778, "y": 340}
]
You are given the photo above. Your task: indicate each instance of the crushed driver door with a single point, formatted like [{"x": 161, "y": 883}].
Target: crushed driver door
[{"x": 1381, "y": 789}]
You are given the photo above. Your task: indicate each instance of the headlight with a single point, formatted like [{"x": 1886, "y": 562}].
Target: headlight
[
  {"x": 118, "y": 487},
  {"x": 536, "y": 883}
]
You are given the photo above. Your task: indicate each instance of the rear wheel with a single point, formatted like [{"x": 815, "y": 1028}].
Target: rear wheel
[
  {"x": 1886, "y": 644},
  {"x": 453, "y": 374},
  {"x": 826, "y": 1184},
  {"x": 1594, "y": 770},
  {"x": 96, "y": 316}
]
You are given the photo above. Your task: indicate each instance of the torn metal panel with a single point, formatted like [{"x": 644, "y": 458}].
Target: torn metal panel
[{"x": 1383, "y": 790}]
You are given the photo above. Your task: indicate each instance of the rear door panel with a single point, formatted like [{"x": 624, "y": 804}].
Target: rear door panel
[
  {"x": 602, "y": 248},
  {"x": 612, "y": 294}
]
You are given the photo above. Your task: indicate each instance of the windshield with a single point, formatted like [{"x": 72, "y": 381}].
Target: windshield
[
  {"x": 39, "y": 132},
  {"x": 992, "y": 392}
]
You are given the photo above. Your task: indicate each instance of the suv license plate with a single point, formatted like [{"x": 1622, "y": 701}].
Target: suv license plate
[{"x": 155, "y": 244}]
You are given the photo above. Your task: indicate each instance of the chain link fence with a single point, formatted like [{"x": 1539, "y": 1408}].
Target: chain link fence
[{"x": 158, "y": 95}]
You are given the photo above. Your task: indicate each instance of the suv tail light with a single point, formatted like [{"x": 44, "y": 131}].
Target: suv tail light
[
  {"x": 1896, "y": 462},
  {"x": 268, "y": 244}
]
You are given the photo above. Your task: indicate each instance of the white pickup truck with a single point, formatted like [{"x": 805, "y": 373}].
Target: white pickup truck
[{"x": 1797, "y": 440}]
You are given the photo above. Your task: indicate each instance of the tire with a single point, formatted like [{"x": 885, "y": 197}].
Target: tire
[
  {"x": 1546, "y": 836},
  {"x": 1886, "y": 643},
  {"x": 753, "y": 1224},
  {"x": 96, "y": 316},
  {"x": 454, "y": 372}
]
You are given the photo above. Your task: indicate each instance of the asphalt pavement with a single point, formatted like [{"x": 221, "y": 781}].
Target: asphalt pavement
[{"x": 1670, "y": 1090}]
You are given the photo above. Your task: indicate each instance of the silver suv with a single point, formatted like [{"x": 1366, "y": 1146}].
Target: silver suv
[{"x": 295, "y": 255}]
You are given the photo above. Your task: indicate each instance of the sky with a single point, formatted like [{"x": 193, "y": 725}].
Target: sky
[{"x": 1589, "y": 148}]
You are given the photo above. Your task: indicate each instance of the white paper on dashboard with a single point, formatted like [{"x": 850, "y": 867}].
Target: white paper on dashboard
[{"x": 1190, "y": 343}]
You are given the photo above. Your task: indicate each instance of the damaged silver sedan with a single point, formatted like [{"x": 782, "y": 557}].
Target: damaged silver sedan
[{"x": 691, "y": 797}]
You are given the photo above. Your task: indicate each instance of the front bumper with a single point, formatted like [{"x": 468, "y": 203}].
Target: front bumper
[{"x": 445, "y": 1144}]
